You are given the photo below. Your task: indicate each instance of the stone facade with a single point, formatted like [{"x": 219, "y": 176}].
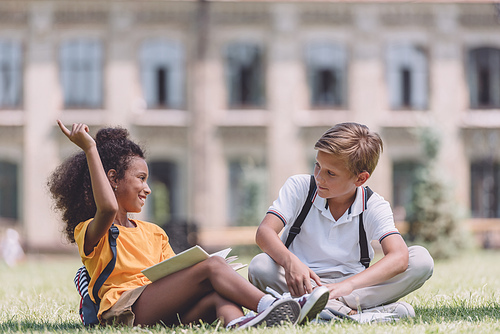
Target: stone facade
[{"x": 212, "y": 145}]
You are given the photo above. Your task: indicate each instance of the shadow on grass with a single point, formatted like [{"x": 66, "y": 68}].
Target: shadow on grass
[
  {"x": 13, "y": 326},
  {"x": 459, "y": 313},
  {"x": 30, "y": 326}
]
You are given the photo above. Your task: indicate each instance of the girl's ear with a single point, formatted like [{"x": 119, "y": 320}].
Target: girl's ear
[
  {"x": 112, "y": 177},
  {"x": 362, "y": 178}
]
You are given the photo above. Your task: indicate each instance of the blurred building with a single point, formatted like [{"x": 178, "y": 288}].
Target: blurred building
[{"x": 229, "y": 98}]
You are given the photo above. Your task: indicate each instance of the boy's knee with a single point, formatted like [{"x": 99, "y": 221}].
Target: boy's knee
[
  {"x": 420, "y": 262},
  {"x": 259, "y": 265}
]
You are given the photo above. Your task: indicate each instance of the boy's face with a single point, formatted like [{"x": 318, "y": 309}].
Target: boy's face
[{"x": 333, "y": 179}]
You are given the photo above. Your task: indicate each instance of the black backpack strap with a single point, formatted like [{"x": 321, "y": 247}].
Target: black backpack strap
[
  {"x": 363, "y": 242},
  {"x": 295, "y": 229},
  {"x": 113, "y": 235}
]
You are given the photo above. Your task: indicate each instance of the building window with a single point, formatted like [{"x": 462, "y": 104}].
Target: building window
[
  {"x": 407, "y": 74},
  {"x": 485, "y": 185},
  {"x": 403, "y": 181},
  {"x": 327, "y": 75},
  {"x": 162, "y": 74},
  {"x": 8, "y": 190},
  {"x": 484, "y": 78},
  {"x": 245, "y": 75},
  {"x": 247, "y": 192},
  {"x": 81, "y": 74},
  {"x": 10, "y": 74},
  {"x": 164, "y": 202}
]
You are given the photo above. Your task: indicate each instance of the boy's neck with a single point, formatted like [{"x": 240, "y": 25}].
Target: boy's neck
[{"x": 339, "y": 205}]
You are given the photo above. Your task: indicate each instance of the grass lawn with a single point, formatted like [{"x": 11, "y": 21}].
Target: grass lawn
[{"x": 463, "y": 296}]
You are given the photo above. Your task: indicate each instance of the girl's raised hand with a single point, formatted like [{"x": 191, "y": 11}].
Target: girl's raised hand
[{"x": 79, "y": 135}]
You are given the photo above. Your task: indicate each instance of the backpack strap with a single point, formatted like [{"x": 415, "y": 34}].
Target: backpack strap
[
  {"x": 113, "y": 235},
  {"x": 295, "y": 229},
  {"x": 363, "y": 241}
]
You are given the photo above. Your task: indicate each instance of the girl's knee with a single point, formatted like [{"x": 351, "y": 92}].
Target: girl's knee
[{"x": 214, "y": 264}]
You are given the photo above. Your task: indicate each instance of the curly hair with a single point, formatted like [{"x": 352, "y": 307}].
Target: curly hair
[{"x": 70, "y": 183}]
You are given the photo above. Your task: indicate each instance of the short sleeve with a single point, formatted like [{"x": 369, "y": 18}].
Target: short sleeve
[
  {"x": 379, "y": 219},
  {"x": 79, "y": 235},
  {"x": 167, "y": 251},
  {"x": 291, "y": 198}
]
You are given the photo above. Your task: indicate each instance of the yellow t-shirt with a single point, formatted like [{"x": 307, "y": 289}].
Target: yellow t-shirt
[{"x": 137, "y": 248}]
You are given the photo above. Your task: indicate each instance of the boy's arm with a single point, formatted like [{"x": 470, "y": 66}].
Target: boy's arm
[
  {"x": 297, "y": 275},
  {"x": 394, "y": 262},
  {"x": 104, "y": 197}
]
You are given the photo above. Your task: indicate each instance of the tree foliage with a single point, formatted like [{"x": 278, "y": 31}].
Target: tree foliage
[{"x": 434, "y": 217}]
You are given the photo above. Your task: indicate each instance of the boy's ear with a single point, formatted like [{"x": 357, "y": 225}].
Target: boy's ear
[{"x": 362, "y": 178}]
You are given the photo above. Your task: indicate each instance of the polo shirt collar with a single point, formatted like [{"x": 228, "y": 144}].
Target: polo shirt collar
[
  {"x": 359, "y": 202},
  {"x": 357, "y": 207}
]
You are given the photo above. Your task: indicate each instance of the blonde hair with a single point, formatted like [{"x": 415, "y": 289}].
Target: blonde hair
[{"x": 355, "y": 144}]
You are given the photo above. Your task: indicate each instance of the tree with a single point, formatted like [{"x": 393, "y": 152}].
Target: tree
[{"x": 435, "y": 220}]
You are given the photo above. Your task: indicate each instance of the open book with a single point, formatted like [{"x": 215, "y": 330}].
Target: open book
[{"x": 187, "y": 259}]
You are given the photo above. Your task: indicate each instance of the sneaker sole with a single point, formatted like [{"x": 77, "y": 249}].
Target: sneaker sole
[
  {"x": 280, "y": 312},
  {"x": 315, "y": 304}
]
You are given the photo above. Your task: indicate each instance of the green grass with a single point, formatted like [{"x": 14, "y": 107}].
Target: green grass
[{"x": 463, "y": 296}]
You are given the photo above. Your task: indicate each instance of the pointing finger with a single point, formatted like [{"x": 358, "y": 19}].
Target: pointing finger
[{"x": 63, "y": 128}]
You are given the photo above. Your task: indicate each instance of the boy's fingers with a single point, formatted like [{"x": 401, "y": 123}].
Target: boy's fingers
[
  {"x": 308, "y": 288},
  {"x": 316, "y": 278},
  {"x": 299, "y": 289}
]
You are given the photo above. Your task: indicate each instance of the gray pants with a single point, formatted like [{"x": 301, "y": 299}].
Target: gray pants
[{"x": 264, "y": 272}]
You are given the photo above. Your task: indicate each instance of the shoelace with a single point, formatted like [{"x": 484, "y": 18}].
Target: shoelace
[
  {"x": 276, "y": 294},
  {"x": 285, "y": 295}
]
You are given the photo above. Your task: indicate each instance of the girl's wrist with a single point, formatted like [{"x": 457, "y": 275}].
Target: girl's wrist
[{"x": 90, "y": 149}]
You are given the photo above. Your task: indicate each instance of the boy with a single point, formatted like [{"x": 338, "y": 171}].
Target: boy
[{"x": 327, "y": 249}]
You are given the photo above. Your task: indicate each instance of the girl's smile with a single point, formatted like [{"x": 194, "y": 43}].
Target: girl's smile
[
  {"x": 133, "y": 189},
  {"x": 142, "y": 199}
]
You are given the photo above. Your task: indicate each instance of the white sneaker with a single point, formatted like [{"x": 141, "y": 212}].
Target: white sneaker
[
  {"x": 399, "y": 309},
  {"x": 329, "y": 314},
  {"x": 384, "y": 313},
  {"x": 279, "y": 312},
  {"x": 310, "y": 304}
]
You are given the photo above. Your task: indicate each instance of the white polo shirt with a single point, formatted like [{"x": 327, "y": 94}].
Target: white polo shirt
[{"x": 331, "y": 247}]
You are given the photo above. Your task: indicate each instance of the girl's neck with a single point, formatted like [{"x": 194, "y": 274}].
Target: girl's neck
[{"x": 123, "y": 221}]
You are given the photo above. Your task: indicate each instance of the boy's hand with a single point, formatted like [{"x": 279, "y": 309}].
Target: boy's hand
[
  {"x": 298, "y": 278},
  {"x": 340, "y": 289},
  {"x": 79, "y": 135}
]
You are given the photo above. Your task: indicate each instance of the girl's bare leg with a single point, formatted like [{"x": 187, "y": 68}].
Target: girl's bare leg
[
  {"x": 184, "y": 293},
  {"x": 212, "y": 307}
]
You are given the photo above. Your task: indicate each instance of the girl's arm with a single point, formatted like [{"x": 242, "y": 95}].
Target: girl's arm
[
  {"x": 394, "y": 262},
  {"x": 104, "y": 197},
  {"x": 297, "y": 274}
]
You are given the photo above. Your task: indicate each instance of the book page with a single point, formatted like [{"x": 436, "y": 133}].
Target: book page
[
  {"x": 178, "y": 262},
  {"x": 223, "y": 253}
]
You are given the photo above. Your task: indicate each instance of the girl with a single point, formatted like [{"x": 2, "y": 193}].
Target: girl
[{"x": 97, "y": 188}]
